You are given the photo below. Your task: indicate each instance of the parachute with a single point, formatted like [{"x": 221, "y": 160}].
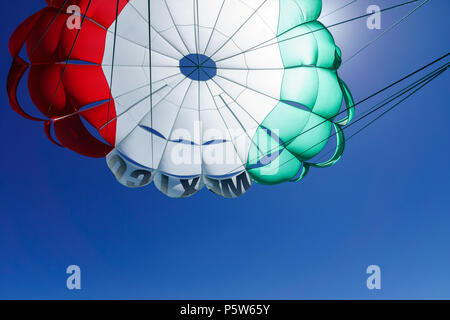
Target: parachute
[{"x": 186, "y": 93}]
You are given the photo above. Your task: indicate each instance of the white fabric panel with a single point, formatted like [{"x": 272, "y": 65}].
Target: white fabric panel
[
  {"x": 213, "y": 126},
  {"x": 257, "y": 105},
  {"x": 174, "y": 188},
  {"x": 178, "y": 95},
  {"x": 161, "y": 59},
  {"x": 125, "y": 79},
  {"x": 206, "y": 100},
  {"x": 126, "y": 172},
  {"x": 130, "y": 114},
  {"x": 162, "y": 20},
  {"x": 191, "y": 97},
  {"x": 141, "y": 7},
  {"x": 168, "y": 43},
  {"x": 269, "y": 12},
  {"x": 127, "y": 53},
  {"x": 234, "y": 75},
  {"x": 230, "y": 88},
  {"x": 252, "y": 33},
  {"x": 235, "y": 115},
  {"x": 208, "y": 14},
  {"x": 160, "y": 73},
  {"x": 162, "y": 117},
  {"x": 264, "y": 57},
  {"x": 183, "y": 15},
  {"x": 188, "y": 34},
  {"x": 132, "y": 26},
  {"x": 150, "y": 147},
  {"x": 266, "y": 81},
  {"x": 181, "y": 159},
  {"x": 234, "y": 14},
  {"x": 218, "y": 116},
  {"x": 187, "y": 126},
  {"x": 220, "y": 159},
  {"x": 172, "y": 37},
  {"x": 168, "y": 88}
]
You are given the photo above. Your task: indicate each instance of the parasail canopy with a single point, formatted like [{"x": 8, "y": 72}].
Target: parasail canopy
[{"x": 186, "y": 93}]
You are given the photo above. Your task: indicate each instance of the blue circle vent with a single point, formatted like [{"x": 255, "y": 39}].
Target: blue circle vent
[{"x": 198, "y": 67}]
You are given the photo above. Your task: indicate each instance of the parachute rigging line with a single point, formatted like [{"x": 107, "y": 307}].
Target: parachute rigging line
[
  {"x": 390, "y": 109},
  {"x": 424, "y": 80},
  {"x": 214, "y": 27},
  {"x": 149, "y": 11},
  {"x": 362, "y": 101},
  {"x": 367, "y": 98},
  {"x": 48, "y": 28},
  {"x": 253, "y": 48},
  {"x": 264, "y": 43},
  {"x": 144, "y": 98},
  {"x": 424, "y": 83},
  {"x": 112, "y": 68},
  {"x": 386, "y": 31},
  {"x": 295, "y": 86},
  {"x": 237, "y": 30},
  {"x": 339, "y": 9},
  {"x": 317, "y": 125}
]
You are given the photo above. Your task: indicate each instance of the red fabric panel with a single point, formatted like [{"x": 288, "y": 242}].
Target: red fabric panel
[
  {"x": 89, "y": 46},
  {"x": 60, "y": 89},
  {"x": 72, "y": 134},
  {"x": 50, "y": 98},
  {"x": 18, "y": 69},
  {"x": 85, "y": 84},
  {"x": 79, "y": 86},
  {"x": 21, "y": 34},
  {"x": 48, "y": 132},
  {"x": 57, "y": 44},
  {"x": 98, "y": 116},
  {"x": 101, "y": 11},
  {"x": 43, "y": 40}
]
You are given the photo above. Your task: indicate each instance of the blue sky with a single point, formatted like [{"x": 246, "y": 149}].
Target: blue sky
[{"x": 385, "y": 203}]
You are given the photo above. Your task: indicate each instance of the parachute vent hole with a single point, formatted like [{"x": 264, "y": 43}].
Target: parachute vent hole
[{"x": 198, "y": 67}]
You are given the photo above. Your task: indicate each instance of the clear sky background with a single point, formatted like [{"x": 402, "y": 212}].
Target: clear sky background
[{"x": 387, "y": 202}]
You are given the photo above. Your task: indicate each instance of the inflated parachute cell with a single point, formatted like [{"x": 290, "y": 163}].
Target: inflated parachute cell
[{"x": 215, "y": 93}]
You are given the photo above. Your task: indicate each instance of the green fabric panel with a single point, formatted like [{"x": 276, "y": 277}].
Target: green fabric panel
[
  {"x": 282, "y": 167},
  {"x": 305, "y": 171},
  {"x": 262, "y": 144},
  {"x": 317, "y": 89},
  {"x": 340, "y": 146},
  {"x": 325, "y": 44},
  {"x": 313, "y": 138},
  {"x": 297, "y": 12},
  {"x": 307, "y": 45},
  {"x": 311, "y": 59},
  {"x": 288, "y": 120},
  {"x": 350, "y": 103},
  {"x": 298, "y": 47},
  {"x": 300, "y": 85},
  {"x": 337, "y": 59},
  {"x": 290, "y": 15},
  {"x": 311, "y": 9},
  {"x": 329, "y": 95}
]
